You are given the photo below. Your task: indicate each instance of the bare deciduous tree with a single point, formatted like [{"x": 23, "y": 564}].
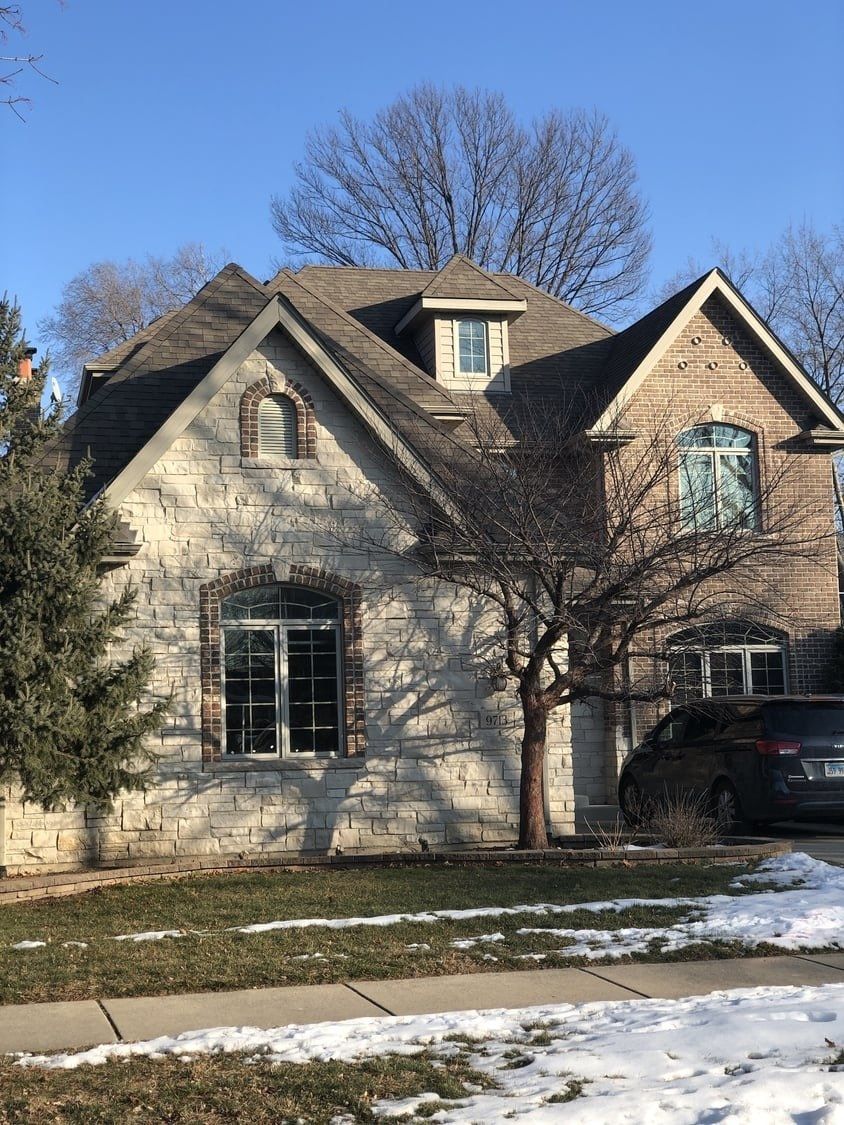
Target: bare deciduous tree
[
  {"x": 11, "y": 20},
  {"x": 440, "y": 172},
  {"x": 583, "y": 557},
  {"x": 109, "y": 302}
]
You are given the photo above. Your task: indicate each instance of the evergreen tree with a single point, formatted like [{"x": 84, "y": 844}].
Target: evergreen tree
[{"x": 72, "y": 724}]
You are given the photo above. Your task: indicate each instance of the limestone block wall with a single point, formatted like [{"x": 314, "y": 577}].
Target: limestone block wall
[{"x": 441, "y": 760}]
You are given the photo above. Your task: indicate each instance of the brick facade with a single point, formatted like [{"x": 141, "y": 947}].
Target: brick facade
[{"x": 717, "y": 372}]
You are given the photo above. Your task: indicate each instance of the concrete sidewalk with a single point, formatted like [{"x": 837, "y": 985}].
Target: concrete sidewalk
[{"x": 85, "y": 1023}]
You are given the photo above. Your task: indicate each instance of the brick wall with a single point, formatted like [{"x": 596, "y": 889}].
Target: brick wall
[{"x": 715, "y": 371}]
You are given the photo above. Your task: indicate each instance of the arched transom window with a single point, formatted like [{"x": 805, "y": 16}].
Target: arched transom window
[
  {"x": 718, "y": 478},
  {"x": 277, "y": 424},
  {"x": 726, "y": 658},
  {"x": 281, "y": 672}
]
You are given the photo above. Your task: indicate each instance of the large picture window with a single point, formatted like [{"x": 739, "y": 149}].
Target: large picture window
[
  {"x": 731, "y": 658},
  {"x": 281, "y": 664},
  {"x": 718, "y": 478}
]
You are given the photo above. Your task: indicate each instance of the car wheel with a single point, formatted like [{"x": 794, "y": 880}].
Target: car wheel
[
  {"x": 630, "y": 801},
  {"x": 726, "y": 807}
]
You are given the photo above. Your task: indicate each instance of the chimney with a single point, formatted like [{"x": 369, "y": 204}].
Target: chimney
[{"x": 25, "y": 365}]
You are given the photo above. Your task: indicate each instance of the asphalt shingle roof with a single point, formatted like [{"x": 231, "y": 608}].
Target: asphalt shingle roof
[{"x": 555, "y": 351}]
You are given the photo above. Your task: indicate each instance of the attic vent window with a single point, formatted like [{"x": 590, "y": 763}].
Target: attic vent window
[
  {"x": 277, "y": 427},
  {"x": 472, "y": 348}
]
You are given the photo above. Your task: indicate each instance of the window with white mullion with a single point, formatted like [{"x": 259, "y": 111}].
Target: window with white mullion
[
  {"x": 471, "y": 347},
  {"x": 718, "y": 477},
  {"x": 281, "y": 674},
  {"x": 746, "y": 670}
]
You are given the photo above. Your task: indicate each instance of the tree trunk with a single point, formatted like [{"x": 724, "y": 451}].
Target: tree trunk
[{"x": 532, "y": 832}]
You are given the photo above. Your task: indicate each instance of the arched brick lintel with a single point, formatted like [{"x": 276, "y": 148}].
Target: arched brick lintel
[
  {"x": 212, "y": 594},
  {"x": 277, "y": 385}
]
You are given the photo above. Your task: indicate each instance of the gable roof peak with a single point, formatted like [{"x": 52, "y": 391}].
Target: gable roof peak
[{"x": 462, "y": 278}]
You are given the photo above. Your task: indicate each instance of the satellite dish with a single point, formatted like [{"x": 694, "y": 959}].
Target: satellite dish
[{"x": 55, "y": 391}]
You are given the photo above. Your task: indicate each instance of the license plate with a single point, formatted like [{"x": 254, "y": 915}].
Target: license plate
[{"x": 833, "y": 769}]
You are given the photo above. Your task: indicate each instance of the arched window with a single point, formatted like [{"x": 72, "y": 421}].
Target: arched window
[
  {"x": 277, "y": 427},
  {"x": 471, "y": 347},
  {"x": 718, "y": 478},
  {"x": 281, "y": 672},
  {"x": 726, "y": 658}
]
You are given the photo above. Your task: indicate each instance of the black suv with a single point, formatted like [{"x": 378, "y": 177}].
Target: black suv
[{"x": 757, "y": 758}]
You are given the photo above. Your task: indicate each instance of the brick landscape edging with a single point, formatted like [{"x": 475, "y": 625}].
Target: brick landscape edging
[{"x": 20, "y": 888}]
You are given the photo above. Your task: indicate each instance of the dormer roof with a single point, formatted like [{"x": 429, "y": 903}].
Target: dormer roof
[{"x": 461, "y": 286}]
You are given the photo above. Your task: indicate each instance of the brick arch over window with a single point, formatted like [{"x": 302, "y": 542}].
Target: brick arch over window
[
  {"x": 212, "y": 594},
  {"x": 305, "y": 420}
]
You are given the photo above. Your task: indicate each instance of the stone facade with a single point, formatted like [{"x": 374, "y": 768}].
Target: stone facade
[
  {"x": 429, "y": 751},
  {"x": 440, "y": 760}
]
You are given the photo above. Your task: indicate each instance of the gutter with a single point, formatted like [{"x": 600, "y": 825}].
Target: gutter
[{"x": 2, "y": 836}]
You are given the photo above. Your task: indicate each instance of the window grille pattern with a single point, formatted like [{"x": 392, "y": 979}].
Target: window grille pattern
[
  {"x": 472, "y": 348},
  {"x": 718, "y": 478},
  {"x": 726, "y": 658},
  {"x": 281, "y": 671}
]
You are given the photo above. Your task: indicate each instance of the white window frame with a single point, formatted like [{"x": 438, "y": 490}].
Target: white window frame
[
  {"x": 747, "y": 671},
  {"x": 716, "y": 452},
  {"x": 458, "y": 374},
  {"x": 282, "y": 700}
]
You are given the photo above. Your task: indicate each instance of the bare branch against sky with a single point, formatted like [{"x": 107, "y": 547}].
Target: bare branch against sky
[{"x": 446, "y": 171}]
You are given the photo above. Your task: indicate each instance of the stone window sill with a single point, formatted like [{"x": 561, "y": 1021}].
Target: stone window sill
[
  {"x": 284, "y": 765},
  {"x": 279, "y": 462}
]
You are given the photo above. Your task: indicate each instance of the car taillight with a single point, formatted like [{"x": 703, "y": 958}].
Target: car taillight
[{"x": 777, "y": 746}]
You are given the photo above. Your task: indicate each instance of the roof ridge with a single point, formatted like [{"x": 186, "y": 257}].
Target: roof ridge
[
  {"x": 356, "y": 362},
  {"x": 361, "y": 269},
  {"x": 559, "y": 301},
  {"x": 453, "y": 266},
  {"x": 132, "y": 362},
  {"x": 372, "y": 336}
]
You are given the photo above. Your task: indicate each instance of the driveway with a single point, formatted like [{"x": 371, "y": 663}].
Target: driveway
[{"x": 822, "y": 840}]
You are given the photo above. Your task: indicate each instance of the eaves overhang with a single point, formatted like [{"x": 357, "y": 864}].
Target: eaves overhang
[{"x": 430, "y": 306}]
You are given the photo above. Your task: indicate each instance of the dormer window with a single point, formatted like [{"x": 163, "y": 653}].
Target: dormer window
[{"x": 471, "y": 347}]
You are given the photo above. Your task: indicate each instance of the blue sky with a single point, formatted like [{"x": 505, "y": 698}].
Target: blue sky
[{"x": 175, "y": 120}]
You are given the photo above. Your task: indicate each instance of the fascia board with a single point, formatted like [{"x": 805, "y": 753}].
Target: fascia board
[
  {"x": 274, "y": 314},
  {"x": 513, "y": 308},
  {"x": 711, "y": 284}
]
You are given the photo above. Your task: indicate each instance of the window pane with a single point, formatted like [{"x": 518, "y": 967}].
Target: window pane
[
  {"x": 313, "y": 699},
  {"x": 686, "y": 672},
  {"x": 726, "y": 673},
  {"x": 731, "y": 437},
  {"x": 697, "y": 491},
  {"x": 276, "y": 601},
  {"x": 715, "y": 435},
  {"x": 471, "y": 341},
  {"x": 736, "y": 498},
  {"x": 767, "y": 672},
  {"x": 251, "y": 712}
]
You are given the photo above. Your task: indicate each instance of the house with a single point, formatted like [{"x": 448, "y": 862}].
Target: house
[{"x": 327, "y": 699}]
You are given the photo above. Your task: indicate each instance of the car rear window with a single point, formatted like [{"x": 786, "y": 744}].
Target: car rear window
[{"x": 806, "y": 719}]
